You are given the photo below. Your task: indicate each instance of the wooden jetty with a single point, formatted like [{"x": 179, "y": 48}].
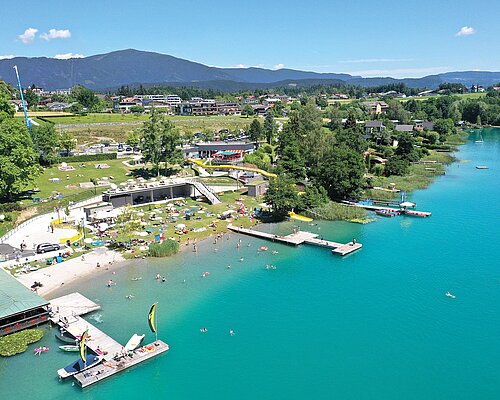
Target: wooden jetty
[
  {"x": 109, "y": 368},
  {"x": 375, "y": 207},
  {"x": 67, "y": 311},
  {"x": 301, "y": 237}
]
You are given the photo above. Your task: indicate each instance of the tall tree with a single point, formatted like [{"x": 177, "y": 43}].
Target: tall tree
[
  {"x": 269, "y": 126},
  {"x": 18, "y": 160},
  {"x": 160, "y": 141},
  {"x": 6, "y": 108},
  {"x": 247, "y": 110},
  {"x": 84, "y": 96},
  {"x": 341, "y": 172},
  {"x": 67, "y": 141},
  {"x": 255, "y": 131},
  {"x": 45, "y": 142},
  {"x": 281, "y": 195}
]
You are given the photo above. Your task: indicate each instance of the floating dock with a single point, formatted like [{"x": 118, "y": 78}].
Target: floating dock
[
  {"x": 111, "y": 367},
  {"x": 302, "y": 237},
  {"x": 375, "y": 207},
  {"x": 67, "y": 311}
]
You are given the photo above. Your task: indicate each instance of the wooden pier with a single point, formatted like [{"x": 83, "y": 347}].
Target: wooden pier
[
  {"x": 301, "y": 237},
  {"x": 111, "y": 367},
  {"x": 375, "y": 207},
  {"x": 67, "y": 311}
]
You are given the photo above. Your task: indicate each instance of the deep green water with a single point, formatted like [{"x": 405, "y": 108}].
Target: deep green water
[{"x": 372, "y": 325}]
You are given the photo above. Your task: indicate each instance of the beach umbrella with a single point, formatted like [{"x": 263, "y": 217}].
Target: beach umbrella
[
  {"x": 407, "y": 204},
  {"x": 88, "y": 240},
  {"x": 103, "y": 226},
  {"x": 180, "y": 226}
]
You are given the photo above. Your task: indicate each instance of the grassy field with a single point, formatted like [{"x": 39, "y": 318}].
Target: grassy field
[
  {"x": 46, "y": 114},
  {"x": 462, "y": 96},
  {"x": 70, "y": 180},
  {"x": 95, "y": 128}
]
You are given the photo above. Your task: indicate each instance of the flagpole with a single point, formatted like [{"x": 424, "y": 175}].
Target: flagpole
[{"x": 156, "y": 330}]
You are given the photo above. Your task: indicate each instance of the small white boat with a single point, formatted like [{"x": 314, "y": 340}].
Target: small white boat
[
  {"x": 78, "y": 366},
  {"x": 448, "y": 294},
  {"x": 134, "y": 342},
  {"x": 69, "y": 347},
  {"x": 482, "y": 167}
]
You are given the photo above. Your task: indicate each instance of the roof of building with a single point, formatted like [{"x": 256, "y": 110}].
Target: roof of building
[
  {"x": 404, "y": 128},
  {"x": 428, "y": 125},
  {"x": 15, "y": 298},
  {"x": 374, "y": 124}
]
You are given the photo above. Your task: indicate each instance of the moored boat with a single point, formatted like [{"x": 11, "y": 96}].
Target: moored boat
[
  {"x": 413, "y": 213},
  {"x": 69, "y": 347},
  {"x": 65, "y": 339},
  {"x": 134, "y": 342},
  {"x": 387, "y": 213},
  {"x": 78, "y": 366},
  {"x": 482, "y": 167}
]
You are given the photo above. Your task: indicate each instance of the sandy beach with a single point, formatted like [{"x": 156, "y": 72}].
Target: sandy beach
[{"x": 57, "y": 275}]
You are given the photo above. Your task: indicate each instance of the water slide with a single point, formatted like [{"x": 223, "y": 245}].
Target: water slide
[
  {"x": 298, "y": 217},
  {"x": 229, "y": 166}
]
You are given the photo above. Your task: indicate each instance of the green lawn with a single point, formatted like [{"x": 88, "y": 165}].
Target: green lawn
[{"x": 70, "y": 180}]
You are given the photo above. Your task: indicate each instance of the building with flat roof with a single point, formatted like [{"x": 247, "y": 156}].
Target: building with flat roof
[{"x": 20, "y": 308}]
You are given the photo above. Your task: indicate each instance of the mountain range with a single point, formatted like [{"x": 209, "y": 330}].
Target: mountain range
[{"x": 134, "y": 67}]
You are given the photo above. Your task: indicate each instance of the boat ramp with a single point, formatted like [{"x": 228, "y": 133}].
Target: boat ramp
[
  {"x": 301, "y": 237},
  {"x": 67, "y": 311}
]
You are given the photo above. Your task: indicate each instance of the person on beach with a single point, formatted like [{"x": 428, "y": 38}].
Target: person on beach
[{"x": 98, "y": 265}]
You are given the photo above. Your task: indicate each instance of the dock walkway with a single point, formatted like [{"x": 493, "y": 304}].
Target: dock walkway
[
  {"x": 108, "y": 368},
  {"x": 67, "y": 311},
  {"x": 301, "y": 237}
]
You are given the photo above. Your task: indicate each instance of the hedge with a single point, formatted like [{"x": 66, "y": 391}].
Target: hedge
[
  {"x": 165, "y": 249},
  {"x": 90, "y": 157},
  {"x": 18, "y": 342}
]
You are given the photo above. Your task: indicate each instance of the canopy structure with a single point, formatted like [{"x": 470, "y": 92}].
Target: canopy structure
[
  {"x": 407, "y": 204},
  {"x": 20, "y": 308}
]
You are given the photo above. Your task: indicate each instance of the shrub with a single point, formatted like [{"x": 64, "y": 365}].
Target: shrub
[
  {"x": 90, "y": 157},
  {"x": 335, "y": 211},
  {"x": 165, "y": 249},
  {"x": 18, "y": 342},
  {"x": 9, "y": 207}
]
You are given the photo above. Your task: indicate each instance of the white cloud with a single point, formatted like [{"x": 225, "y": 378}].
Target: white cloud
[
  {"x": 374, "y": 60},
  {"x": 28, "y": 36},
  {"x": 466, "y": 31},
  {"x": 402, "y": 72},
  {"x": 56, "y": 34},
  {"x": 6, "y": 57},
  {"x": 279, "y": 66},
  {"x": 67, "y": 56}
]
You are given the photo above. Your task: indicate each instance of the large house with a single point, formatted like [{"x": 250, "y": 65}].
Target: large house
[
  {"x": 210, "y": 149},
  {"x": 373, "y": 129},
  {"x": 404, "y": 128},
  {"x": 376, "y": 107}
]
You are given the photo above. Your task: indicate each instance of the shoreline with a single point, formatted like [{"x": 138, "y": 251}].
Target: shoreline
[{"x": 56, "y": 276}]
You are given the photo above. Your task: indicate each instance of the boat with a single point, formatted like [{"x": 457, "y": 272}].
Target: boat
[
  {"x": 69, "y": 347},
  {"x": 448, "y": 294},
  {"x": 78, "y": 366},
  {"x": 263, "y": 248},
  {"x": 387, "y": 213},
  {"x": 480, "y": 140},
  {"x": 65, "y": 339},
  {"x": 482, "y": 167},
  {"x": 134, "y": 342},
  {"x": 417, "y": 213}
]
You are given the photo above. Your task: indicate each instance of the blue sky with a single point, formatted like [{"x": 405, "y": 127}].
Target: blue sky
[{"x": 400, "y": 38}]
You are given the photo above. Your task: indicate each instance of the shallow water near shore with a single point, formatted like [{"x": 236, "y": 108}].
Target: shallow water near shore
[{"x": 373, "y": 325}]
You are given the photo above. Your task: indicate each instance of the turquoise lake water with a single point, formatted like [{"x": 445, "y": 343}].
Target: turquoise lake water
[{"x": 372, "y": 325}]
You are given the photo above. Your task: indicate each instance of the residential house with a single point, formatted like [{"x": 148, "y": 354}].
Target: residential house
[
  {"x": 376, "y": 107},
  {"x": 373, "y": 129},
  {"x": 404, "y": 128},
  {"x": 424, "y": 125}
]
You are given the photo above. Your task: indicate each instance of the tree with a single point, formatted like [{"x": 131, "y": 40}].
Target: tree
[
  {"x": 137, "y": 109},
  {"x": 247, "y": 110},
  {"x": 292, "y": 162},
  {"x": 313, "y": 196},
  {"x": 396, "y": 166},
  {"x": 84, "y": 96},
  {"x": 406, "y": 147},
  {"x": 444, "y": 127},
  {"x": 18, "y": 160},
  {"x": 6, "y": 108},
  {"x": 160, "y": 141},
  {"x": 67, "y": 141},
  {"x": 341, "y": 172},
  {"x": 281, "y": 195},
  {"x": 45, "y": 142},
  {"x": 352, "y": 139},
  {"x": 134, "y": 139},
  {"x": 255, "y": 131},
  {"x": 31, "y": 98},
  {"x": 269, "y": 126},
  {"x": 350, "y": 122}
]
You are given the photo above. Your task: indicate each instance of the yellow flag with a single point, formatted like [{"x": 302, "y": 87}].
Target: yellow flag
[
  {"x": 151, "y": 318},
  {"x": 82, "y": 345}
]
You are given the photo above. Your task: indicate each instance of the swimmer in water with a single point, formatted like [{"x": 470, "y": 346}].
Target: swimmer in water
[
  {"x": 231, "y": 332},
  {"x": 241, "y": 259}
]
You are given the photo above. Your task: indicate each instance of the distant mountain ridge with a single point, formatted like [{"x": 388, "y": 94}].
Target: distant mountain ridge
[{"x": 128, "y": 67}]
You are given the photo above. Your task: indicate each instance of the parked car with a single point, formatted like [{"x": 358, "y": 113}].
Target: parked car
[{"x": 44, "y": 247}]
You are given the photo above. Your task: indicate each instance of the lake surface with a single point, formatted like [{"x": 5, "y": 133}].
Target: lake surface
[{"x": 372, "y": 325}]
